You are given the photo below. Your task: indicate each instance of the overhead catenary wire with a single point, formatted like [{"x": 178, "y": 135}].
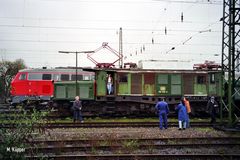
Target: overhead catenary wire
[
  {"x": 42, "y": 19},
  {"x": 96, "y": 28},
  {"x": 44, "y": 31},
  {"x": 84, "y": 42},
  {"x": 208, "y": 2},
  {"x": 52, "y": 54},
  {"x": 57, "y": 35},
  {"x": 164, "y": 9},
  {"x": 188, "y": 39}
]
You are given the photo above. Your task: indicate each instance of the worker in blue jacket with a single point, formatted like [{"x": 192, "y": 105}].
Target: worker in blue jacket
[
  {"x": 163, "y": 110},
  {"x": 182, "y": 115}
]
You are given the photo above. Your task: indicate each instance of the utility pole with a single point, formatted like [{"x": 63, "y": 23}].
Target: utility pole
[
  {"x": 76, "y": 52},
  {"x": 230, "y": 56},
  {"x": 120, "y": 48}
]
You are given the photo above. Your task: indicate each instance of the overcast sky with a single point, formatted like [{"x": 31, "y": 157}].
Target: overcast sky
[{"x": 35, "y": 30}]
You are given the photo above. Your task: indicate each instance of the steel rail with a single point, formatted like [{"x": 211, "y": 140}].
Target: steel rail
[
  {"x": 167, "y": 139},
  {"x": 53, "y": 146},
  {"x": 141, "y": 156},
  {"x": 86, "y": 148},
  {"x": 107, "y": 124}
]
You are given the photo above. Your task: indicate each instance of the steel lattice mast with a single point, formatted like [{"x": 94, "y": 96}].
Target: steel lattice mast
[{"x": 230, "y": 58}]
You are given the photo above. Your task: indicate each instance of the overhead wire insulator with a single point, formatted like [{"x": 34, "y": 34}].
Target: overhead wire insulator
[
  {"x": 143, "y": 47},
  {"x": 165, "y": 30},
  {"x": 152, "y": 41},
  {"x": 182, "y": 17}
]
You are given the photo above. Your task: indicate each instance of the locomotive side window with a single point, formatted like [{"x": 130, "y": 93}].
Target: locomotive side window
[
  {"x": 123, "y": 78},
  {"x": 163, "y": 79},
  {"x": 92, "y": 77},
  {"x": 56, "y": 77},
  {"x": 201, "y": 79},
  {"x": 47, "y": 77},
  {"x": 86, "y": 78},
  {"x": 65, "y": 77},
  {"x": 22, "y": 77},
  {"x": 212, "y": 78},
  {"x": 34, "y": 76},
  {"x": 79, "y": 77}
]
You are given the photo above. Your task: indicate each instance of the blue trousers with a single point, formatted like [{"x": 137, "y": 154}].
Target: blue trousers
[
  {"x": 109, "y": 87},
  {"x": 77, "y": 115},
  {"x": 162, "y": 119}
]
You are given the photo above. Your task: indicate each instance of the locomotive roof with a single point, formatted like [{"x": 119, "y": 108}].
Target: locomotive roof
[
  {"x": 138, "y": 70},
  {"x": 129, "y": 70},
  {"x": 52, "y": 70}
]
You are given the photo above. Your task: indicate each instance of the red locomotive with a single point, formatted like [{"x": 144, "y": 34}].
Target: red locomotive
[{"x": 37, "y": 84}]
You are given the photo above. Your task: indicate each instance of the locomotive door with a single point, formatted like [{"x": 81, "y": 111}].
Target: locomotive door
[
  {"x": 212, "y": 84},
  {"x": 101, "y": 78},
  {"x": 188, "y": 80},
  {"x": 110, "y": 83},
  {"x": 136, "y": 85}
]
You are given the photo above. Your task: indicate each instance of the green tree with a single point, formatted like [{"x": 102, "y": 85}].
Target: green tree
[{"x": 8, "y": 70}]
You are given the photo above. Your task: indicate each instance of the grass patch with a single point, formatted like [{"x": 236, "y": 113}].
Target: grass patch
[
  {"x": 130, "y": 146},
  {"x": 105, "y": 120},
  {"x": 207, "y": 129}
]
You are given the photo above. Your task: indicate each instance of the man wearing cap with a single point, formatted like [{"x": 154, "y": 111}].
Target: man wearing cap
[{"x": 212, "y": 109}]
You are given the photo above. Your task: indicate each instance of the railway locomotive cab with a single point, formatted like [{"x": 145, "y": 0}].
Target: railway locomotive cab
[{"x": 136, "y": 91}]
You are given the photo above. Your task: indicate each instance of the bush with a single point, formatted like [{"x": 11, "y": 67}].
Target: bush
[{"x": 17, "y": 139}]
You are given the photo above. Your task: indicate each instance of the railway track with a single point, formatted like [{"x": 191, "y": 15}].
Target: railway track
[
  {"x": 155, "y": 140},
  {"x": 70, "y": 148},
  {"x": 137, "y": 148},
  {"x": 118, "y": 124},
  {"x": 13, "y": 117},
  {"x": 110, "y": 124},
  {"x": 144, "y": 156},
  {"x": 4, "y": 105}
]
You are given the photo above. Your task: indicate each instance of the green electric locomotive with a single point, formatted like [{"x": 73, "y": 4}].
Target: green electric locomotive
[{"x": 136, "y": 91}]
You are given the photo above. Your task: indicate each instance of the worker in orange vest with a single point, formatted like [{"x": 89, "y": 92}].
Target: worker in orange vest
[{"x": 187, "y": 104}]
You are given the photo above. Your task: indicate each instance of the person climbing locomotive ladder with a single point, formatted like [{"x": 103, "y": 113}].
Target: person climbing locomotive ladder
[
  {"x": 109, "y": 83},
  {"x": 77, "y": 110},
  {"x": 163, "y": 110}
]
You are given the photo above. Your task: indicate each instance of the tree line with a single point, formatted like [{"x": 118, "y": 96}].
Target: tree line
[{"x": 8, "y": 69}]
